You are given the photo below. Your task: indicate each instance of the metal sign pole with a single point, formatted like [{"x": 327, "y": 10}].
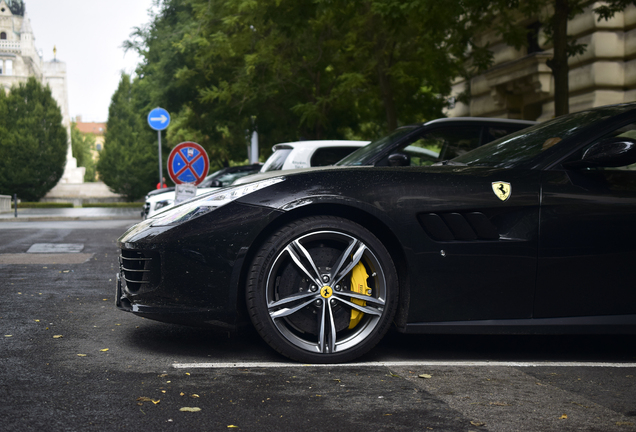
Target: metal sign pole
[
  {"x": 160, "y": 164},
  {"x": 159, "y": 119}
]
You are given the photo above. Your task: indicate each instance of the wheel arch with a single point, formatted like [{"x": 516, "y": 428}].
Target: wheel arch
[{"x": 354, "y": 214}]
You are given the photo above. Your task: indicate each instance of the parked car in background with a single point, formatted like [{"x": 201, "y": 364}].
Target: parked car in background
[
  {"x": 161, "y": 199},
  {"x": 425, "y": 143},
  {"x": 305, "y": 154},
  {"x": 531, "y": 233}
]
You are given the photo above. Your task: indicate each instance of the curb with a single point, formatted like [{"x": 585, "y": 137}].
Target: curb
[{"x": 64, "y": 218}]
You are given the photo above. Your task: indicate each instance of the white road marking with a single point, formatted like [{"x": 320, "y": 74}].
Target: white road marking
[
  {"x": 56, "y": 248},
  {"x": 430, "y": 363}
]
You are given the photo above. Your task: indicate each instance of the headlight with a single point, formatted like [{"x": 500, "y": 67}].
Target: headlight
[
  {"x": 162, "y": 204},
  {"x": 203, "y": 204}
]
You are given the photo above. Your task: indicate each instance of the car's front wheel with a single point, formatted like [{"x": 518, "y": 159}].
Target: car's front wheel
[{"x": 322, "y": 290}]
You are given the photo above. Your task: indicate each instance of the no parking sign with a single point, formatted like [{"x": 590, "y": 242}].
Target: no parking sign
[{"x": 188, "y": 163}]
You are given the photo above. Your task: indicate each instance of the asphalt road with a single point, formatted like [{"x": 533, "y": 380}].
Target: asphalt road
[{"x": 70, "y": 361}]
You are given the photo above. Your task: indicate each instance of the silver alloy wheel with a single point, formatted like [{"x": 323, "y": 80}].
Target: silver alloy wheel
[{"x": 323, "y": 261}]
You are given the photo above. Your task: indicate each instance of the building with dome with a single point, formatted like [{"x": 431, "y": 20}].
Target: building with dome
[{"x": 20, "y": 59}]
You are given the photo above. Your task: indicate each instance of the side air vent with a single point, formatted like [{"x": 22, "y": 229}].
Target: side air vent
[
  {"x": 137, "y": 269},
  {"x": 458, "y": 226}
]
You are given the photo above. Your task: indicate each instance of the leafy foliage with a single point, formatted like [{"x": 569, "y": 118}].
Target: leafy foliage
[
  {"x": 296, "y": 69},
  {"x": 33, "y": 142},
  {"x": 82, "y": 145},
  {"x": 128, "y": 163}
]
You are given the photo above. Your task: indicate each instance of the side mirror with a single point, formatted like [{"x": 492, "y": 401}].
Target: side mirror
[
  {"x": 216, "y": 183},
  {"x": 610, "y": 152},
  {"x": 399, "y": 159}
]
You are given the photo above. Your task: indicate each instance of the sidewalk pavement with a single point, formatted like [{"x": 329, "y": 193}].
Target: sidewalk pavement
[{"x": 71, "y": 214}]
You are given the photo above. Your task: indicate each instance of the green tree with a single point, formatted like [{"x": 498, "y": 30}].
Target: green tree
[
  {"x": 33, "y": 142},
  {"x": 128, "y": 163},
  {"x": 82, "y": 145},
  {"x": 294, "y": 69}
]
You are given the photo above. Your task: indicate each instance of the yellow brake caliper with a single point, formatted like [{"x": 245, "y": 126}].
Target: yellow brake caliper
[{"x": 359, "y": 277}]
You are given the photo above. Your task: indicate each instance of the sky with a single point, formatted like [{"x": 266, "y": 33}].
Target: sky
[{"x": 88, "y": 35}]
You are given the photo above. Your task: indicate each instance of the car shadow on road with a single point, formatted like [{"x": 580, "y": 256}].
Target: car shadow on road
[
  {"x": 200, "y": 344},
  {"x": 206, "y": 345}
]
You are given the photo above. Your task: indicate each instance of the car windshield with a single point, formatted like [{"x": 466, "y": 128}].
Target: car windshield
[
  {"x": 522, "y": 147},
  {"x": 276, "y": 160},
  {"x": 209, "y": 179},
  {"x": 363, "y": 154}
]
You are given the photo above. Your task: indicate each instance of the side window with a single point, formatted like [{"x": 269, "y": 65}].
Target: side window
[
  {"x": 458, "y": 140},
  {"x": 441, "y": 144},
  {"x": 424, "y": 151},
  {"x": 329, "y": 155}
]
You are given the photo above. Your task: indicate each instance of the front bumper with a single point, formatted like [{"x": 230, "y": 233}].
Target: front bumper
[{"x": 189, "y": 273}]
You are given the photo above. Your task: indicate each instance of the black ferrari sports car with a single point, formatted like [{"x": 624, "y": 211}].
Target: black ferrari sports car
[{"x": 532, "y": 233}]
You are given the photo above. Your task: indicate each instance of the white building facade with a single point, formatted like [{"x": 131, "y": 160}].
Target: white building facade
[
  {"x": 520, "y": 85},
  {"x": 19, "y": 60}
]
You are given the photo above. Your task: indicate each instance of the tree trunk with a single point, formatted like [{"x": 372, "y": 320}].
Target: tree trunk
[
  {"x": 559, "y": 63},
  {"x": 387, "y": 93}
]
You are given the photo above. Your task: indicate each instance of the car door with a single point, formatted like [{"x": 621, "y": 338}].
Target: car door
[
  {"x": 587, "y": 245},
  {"x": 477, "y": 249}
]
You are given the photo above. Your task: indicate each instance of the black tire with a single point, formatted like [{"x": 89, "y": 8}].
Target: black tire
[{"x": 299, "y": 290}]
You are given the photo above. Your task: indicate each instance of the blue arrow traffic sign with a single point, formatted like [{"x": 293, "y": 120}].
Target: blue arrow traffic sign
[{"x": 158, "y": 119}]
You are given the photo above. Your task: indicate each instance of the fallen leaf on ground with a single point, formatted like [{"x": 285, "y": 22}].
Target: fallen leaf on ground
[
  {"x": 624, "y": 423},
  {"x": 427, "y": 376},
  {"x": 147, "y": 399},
  {"x": 232, "y": 426},
  {"x": 190, "y": 409},
  {"x": 8, "y": 335},
  {"x": 476, "y": 423},
  {"x": 563, "y": 417},
  {"x": 194, "y": 395},
  {"x": 57, "y": 336},
  {"x": 81, "y": 355},
  {"x": 104, "y": 350}
]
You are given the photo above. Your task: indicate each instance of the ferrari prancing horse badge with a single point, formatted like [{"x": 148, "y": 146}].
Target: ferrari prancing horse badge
[{"x": 502, "y": 190}]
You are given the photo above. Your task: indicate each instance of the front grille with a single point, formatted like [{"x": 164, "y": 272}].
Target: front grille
[
  {"x": 137, "y": 269},
  {"x": 458, "y": 226}
]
